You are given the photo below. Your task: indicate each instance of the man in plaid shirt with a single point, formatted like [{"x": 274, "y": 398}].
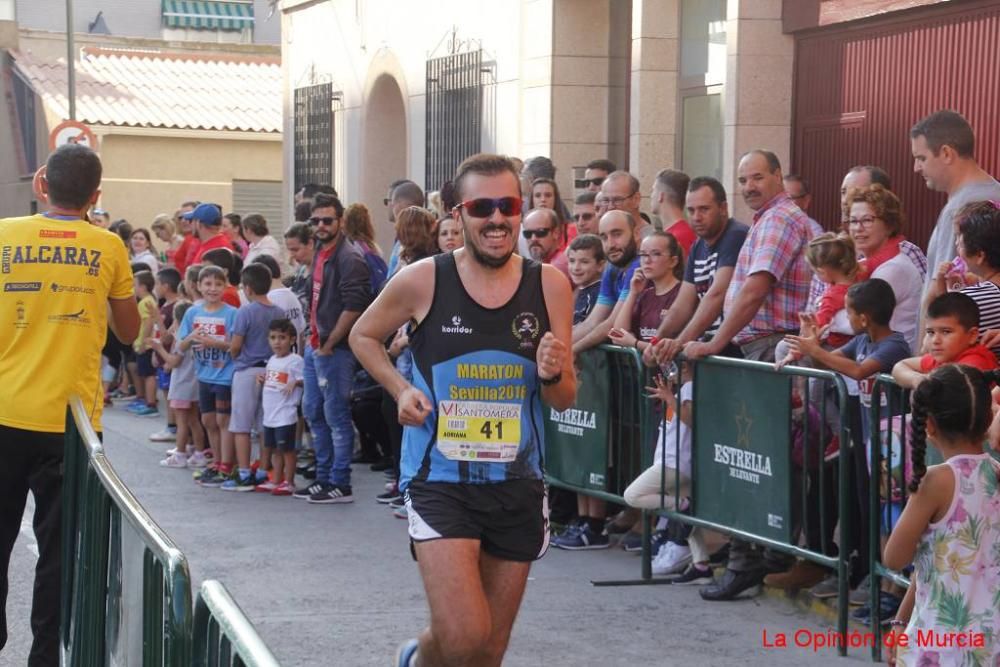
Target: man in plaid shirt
[
  {"x": 769, "y": 289},
  {"x": 770, "y": 285}
]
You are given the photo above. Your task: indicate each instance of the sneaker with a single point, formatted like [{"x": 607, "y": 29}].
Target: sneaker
[
  {"x": 211, "y": 478},
  {"x": 803, "y": 574},
  {"x": 197, "y": 460},
  {"x": 239, "y": 484},
  {"x": 166, "y": 435},
  {"x": 307, "y": 491},
  {"x": 574, "y": 526},
  {"x": 120, "y": 395},
  {"x": 656, "y": 542},
  {"x": 862, "y": 594},
  {"x": 396, "y": 504},
  {"x": 888, "y": 605},
  {"x": 828, "y": 588},
  {"x": 283, "y": 489},
  {"x": 583, "y": 539},
  {"x": 401, "y": 513},
  {"x": 175, "y": 461},
  {"x": 832, "y": 449},
  {"x": 389, "y": 496},
  {"x": 265, "y": 487},
  {"x": 632, "y": 542},
  {"x": 334, "y": 496},
  {"x": 693, "y": 575},
  {"x": 405, "y": 653},
  {"x": 672, "y": 559},
  {"x": 145, "y": 411}
]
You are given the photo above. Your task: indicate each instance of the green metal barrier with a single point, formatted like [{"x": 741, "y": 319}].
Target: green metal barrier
[
  {"x": 222, "y": 634},
  {"x": 107, "y": 534},
  {"x": 723, "y": 383},
  {"x": 889, "y": 444},
  {"x": 596, "y": 447},
  {"x": 126, "y": 587}
]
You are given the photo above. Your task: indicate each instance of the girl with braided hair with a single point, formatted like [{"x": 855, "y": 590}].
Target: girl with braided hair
[{"x": 950, "y": 527}]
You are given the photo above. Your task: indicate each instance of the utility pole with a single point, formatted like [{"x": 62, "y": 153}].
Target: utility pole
[{"x": 70, "y": 61}]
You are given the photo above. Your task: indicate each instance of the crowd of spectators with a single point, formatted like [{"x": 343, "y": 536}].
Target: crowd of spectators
[{"x": 269, "y": 362}]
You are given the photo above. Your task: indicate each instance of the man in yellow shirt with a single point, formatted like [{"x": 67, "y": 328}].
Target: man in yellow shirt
[{"x": 61, "y": 277}]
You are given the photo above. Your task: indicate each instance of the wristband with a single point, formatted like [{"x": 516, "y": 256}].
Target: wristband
[
  {"x": 654, "y": 340},
  {"x": 552, "y": 380},
  {"x": 896, "y": 623}
]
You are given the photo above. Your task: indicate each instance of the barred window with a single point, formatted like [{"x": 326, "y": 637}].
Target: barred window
[
  {"x": 454, "y": 113},
  {"x": 314, "y": 135}
]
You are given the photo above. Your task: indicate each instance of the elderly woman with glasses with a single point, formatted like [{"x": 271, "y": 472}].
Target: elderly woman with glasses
[{"x": 875, "y": 222}]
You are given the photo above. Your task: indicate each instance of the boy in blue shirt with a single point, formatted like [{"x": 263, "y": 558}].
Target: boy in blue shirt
[
  {"x": 207, "y": 329},
  {"x": 250, "y": 350}
]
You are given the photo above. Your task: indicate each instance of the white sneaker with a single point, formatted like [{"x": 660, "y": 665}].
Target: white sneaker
[
  {"x": 197, "y": 460},
  {"x": 672, "y": 559},
  {"x": 175, "y": 461},
  {"x": 166, "y": 435}
]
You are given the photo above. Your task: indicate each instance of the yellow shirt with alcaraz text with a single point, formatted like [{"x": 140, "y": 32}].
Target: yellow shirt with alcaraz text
[{"x": 57, "y": 277}]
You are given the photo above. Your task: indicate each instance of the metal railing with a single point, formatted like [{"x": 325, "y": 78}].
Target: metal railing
[
  {"x": 630, "y": 446},
  {"x": 126, "y": 587},
  {"x": 222, "y": 634},
  {"x": 888, "y": 446},
  {"x": 107, "y": 535}
]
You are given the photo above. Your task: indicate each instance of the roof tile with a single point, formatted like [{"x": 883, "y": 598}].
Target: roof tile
[{"x": 170, "y": 90}]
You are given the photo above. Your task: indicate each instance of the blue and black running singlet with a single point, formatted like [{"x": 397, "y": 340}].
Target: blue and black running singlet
[{"x": 476, "y": 365}]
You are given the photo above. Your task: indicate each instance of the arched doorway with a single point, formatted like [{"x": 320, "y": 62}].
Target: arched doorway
[{"x": 383, "y": 150}]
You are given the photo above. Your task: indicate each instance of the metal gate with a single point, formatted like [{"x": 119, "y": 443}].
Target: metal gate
[
  {"x": 314, "y": 135},
  {"x": 860, "y": 87},
  {"x": 454, "y": 114}
]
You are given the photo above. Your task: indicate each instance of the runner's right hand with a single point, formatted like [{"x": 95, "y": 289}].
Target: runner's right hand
[{"x": 413, "y": 407}]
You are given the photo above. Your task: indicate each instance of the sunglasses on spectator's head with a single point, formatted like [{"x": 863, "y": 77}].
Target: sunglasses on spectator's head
[
  {"x": 577, "y": 217},
  {"x": 322, "y": 221},
  {"x": 483, "y": 207},
  {"x": 585, "y": 182},
  {"x": 537, "y": 233}
]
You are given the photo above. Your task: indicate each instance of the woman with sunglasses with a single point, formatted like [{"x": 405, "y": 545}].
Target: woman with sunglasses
[{"x": 490, "y": 342}]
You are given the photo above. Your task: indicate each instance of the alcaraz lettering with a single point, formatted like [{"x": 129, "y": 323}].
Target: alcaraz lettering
[{"x": 50, "y": 254}]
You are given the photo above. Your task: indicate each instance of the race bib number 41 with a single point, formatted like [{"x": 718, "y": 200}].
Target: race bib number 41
[{"x": 479, "y": 431}]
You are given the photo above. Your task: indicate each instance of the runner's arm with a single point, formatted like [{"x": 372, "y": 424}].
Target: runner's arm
[
  {"x": 396, "y": 304},
  {"x": 559, "y": 304},
  {"x": 124, "y": 318}
]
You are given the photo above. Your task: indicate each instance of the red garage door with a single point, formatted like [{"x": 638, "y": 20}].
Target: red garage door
[{"x": 859, "y": 89}]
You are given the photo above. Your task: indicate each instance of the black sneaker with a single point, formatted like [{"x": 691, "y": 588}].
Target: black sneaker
[
  {"x": 212, "y": 479},
  {"x": 693, "y": 575},
  {"x": 307, "y": 491},
  {"x": 397, "y": 504},
  {"x": 389, "y": 497},
  {"x": 333, "y": 495}
]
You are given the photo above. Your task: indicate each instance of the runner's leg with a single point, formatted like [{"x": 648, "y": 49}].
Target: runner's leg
[
  {"x": 461, "y": 627},
  {"x": 503, "y": 582}
]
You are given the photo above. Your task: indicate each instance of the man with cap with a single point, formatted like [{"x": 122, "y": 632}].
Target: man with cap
[{"x": 207, "y": 222}]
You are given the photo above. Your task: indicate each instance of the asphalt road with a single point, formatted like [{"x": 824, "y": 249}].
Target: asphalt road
[{"x": 335, "y": 584}]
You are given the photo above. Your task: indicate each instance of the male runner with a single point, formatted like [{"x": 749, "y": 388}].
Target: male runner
[{"x": 490, "y": 339}]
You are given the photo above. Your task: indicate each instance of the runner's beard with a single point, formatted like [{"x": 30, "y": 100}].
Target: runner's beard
[{"x": 482, "y": 258}]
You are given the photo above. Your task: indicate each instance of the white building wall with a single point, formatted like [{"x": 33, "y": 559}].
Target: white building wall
[{"x": 351, "y": 44}]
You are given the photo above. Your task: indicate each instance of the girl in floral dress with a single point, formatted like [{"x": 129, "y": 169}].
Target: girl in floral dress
[{"x": 950, "y": 527}]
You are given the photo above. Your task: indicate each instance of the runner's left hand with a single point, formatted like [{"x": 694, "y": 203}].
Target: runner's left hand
[{"x": 550, "y": 357}]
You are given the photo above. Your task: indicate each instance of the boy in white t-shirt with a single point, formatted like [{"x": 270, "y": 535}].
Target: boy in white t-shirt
[{"x": 282, "y": 393}]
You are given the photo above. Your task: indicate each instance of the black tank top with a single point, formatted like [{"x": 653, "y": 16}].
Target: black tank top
[{"x": 476, "y": 365}]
